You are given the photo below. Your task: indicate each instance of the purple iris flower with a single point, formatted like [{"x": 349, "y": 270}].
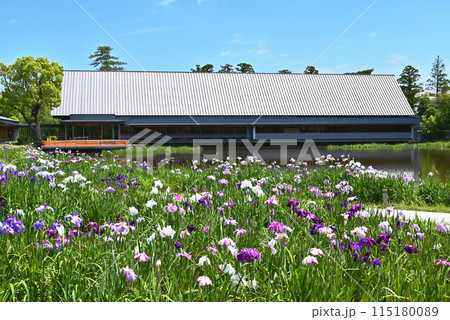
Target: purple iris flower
[
  {"x": 443, "y": 262},
  {"x": 248, "y": 255},
  {"x": 384, "y": 237},
  {"x": 315, "y": 228},
  {"x": 93, "y": 226},
  {"x": 276, "y": 226},
  {"x": 375, "y": 262},
  {"x": 420, "y": 235},
  {"x": 38, "y": 225},
  {"x": 177, "y": 245},
  {"x": 410, "y": 249},
  {"x": 188, "y": 205},
  {"x": 12, "y": 225},
  {"x": 292, "y": 203},
  {"x": 442, "y": 227},
  {"x": 365, "y": 258},
  {"x": 75, "y": 219},
  {"x": 51, "y": 232},
  {"x": 204, "y": 202},
  {"x": 2, "y": 201},
  {"x": 302, "y": 212},
  {"x": 129, "y": 274},
  {"x": 191, "y": 228}
]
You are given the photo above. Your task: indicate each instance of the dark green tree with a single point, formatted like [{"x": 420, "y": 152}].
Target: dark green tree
[
  {"x": 227, "y": 68},
  {"x": 423, "y": 103},
  {"x": 31, "y": 89},
  {"x": 436, "y": 120},
  {"x": 205, "y": 68},
  {"x": 284, "y": 71},
  {"x": 367, "y": 71},
  {"x": 104, "y": 61},
  {"x": 244, "y": 68},
  {"x": 311, "y": 70},
  {"x": 409, "y": 83},
  {"x": 438, "y": 79}
]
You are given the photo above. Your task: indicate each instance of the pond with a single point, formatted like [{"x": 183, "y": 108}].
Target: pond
[
  {"x": 417, "y": 162},
  {"x": 414, "y": 162}
]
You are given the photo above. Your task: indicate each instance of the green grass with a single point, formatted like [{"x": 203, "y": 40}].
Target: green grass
[
  {"x": 86, "y": 268},
  {"x": 439, "y": 145}
]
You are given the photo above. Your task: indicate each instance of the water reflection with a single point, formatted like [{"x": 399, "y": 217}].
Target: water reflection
[{"x": 417, "y": 161}]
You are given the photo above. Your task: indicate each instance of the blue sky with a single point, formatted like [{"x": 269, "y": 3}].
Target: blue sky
[{"x": 175, "y": 35}]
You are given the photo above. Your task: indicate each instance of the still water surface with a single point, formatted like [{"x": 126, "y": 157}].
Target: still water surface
[
  {"x": 418, "y": 162},
  {"x": 414, "y": 162}
]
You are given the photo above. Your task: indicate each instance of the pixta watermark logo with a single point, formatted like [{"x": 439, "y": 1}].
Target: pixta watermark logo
[{"x": 152, "y": 150}]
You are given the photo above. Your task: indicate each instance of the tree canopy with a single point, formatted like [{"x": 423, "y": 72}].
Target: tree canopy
[
  {"x": 227, "y": 68},
  {"x": 104, "y": 61},
  {"x": 438, "y": 80},
  {"x": 284, "y": 71},
  {"x": 244, "y": 68},
  {"x": 311, "y": 70},
  {"x": 367, "y": 71},
  {"x": 31, "y": 88},
  {"x": 205, "y": 68},
  {"x": 436, "y": 118},
  {"x": 409, "y": 83}
]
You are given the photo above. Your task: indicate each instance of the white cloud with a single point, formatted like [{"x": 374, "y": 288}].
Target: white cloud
[
  {"x": 200, "y": 1},
  {"x": 240, "y": 41},
  {"x": 166, "y": 2},
  {"x": 395, "y": 58},
  {"x": 226, "y": 53},
  {"x": 372, "y": 35},
  {"x": 13, "y": 21}
]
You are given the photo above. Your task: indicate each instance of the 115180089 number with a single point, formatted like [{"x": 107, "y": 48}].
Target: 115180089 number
[{"x": 396, "y": 311}]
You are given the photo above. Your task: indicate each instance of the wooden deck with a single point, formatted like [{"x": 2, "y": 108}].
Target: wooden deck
[{"x": 85, "y": 144}]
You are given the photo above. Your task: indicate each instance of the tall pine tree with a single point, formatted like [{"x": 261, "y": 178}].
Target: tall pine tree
[
  {"x": 438, "y": 81},
  {"x": 104, "y": 61},
  {"x": 409, "y": 83}
]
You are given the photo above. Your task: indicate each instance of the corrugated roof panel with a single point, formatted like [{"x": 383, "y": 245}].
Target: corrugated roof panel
[{"x": 230, "y": 94}]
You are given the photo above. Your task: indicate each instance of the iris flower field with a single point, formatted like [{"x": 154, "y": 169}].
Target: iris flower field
[{"x": 74, "y": 227}]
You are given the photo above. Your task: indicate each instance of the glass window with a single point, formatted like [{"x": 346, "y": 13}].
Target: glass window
[{"x": 92, "y": 131}]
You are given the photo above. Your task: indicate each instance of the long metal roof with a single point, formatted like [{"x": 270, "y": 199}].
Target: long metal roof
[
  {"x": 131, "y": 93},
  {"x": 8, "y": 121}
]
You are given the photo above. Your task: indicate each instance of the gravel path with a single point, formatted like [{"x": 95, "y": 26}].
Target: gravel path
[{"x": 422, "y": 215}]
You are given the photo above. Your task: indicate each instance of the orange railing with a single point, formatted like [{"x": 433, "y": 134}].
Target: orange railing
[{"x": 79, "y": 143}]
